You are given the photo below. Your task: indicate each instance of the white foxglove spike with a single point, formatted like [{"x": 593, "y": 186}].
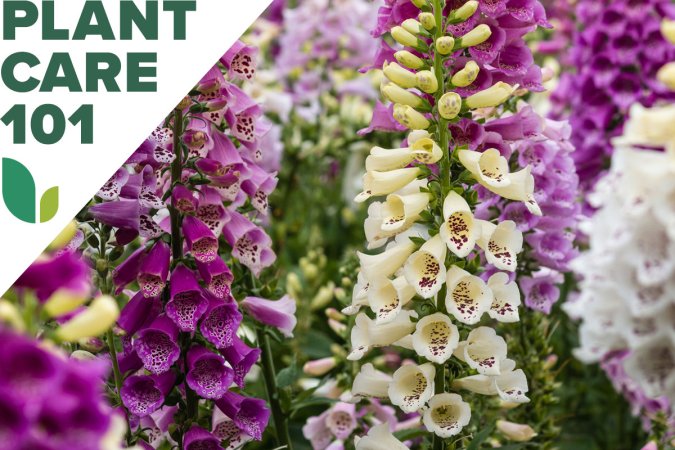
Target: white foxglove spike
[
  {"x": 359, "y": 295},
  {"x": 447, "y": 415},
  {"x": 383, "y": 183},
  {"x": 425, "y": 269},
  {"x": 384, "y": 264},
  {"x": 435, "y": 338},
  {"x": 387, "y": 297},
  {"x": 501, "y": 243},
  {"x": 379, "y": 438},
  {"x": 370, "y": 382},
  {"x": 506, "y": 298},
  {"x": 412, "y": 386},
  {"x": 459, "y": 229},
  {"x": 366, "y": 334},
  {"x": 401, "y": 210},
  {"x": 468, "y": 297},
  {"x": 483, "y": 351},
  {"x": 489, "y": 168}
]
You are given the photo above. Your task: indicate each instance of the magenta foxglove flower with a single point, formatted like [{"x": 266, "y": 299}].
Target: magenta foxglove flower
[
  {"x": 207, "y": 374},
  {"x": 201, "y": 241},
  {"x": 217, "y": 276},
  {"x": 220, "y": 322},
  {"x": 249, "y": 414},
  {"x": 154, "y": 269},
  {"x": 240, "y": 61},
  {"x": 67, "y": 271},
  {"x": 184, "y": 199},
  {"x": 187, "y": 304},
  {"x": 138, "y": 313},
  {"x": 157, "y": 345},
  {"x": 275, "y": 313},
  {"x": 250, "y": 244},
  {"x": 198, "y": 438},
  {"x": 241, "y": 358},
  {"x": 143, "y": 394}
]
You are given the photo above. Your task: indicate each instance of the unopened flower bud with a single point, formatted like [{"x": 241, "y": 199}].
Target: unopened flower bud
[
  {"x": 427, "y": 20},
  {"x": 338, "y": 327},
  {"x": 412, "y": 26},
  {"x": 82, "y": 355},
  {"x": 467, "y": 10},
  {"x": 493, "y": 96},
  {"x": 187, "y": 101},
  {"x": 310, "y": 271},
  {"x": 550, "y": 362},
  {"x": 322, "y": 298},
  {"x": 404, "y": 37},
  {"x": 340, "y": 294},
  {"x": 64, "y": 237},
  {"x": 467, "y": 75},
  {"x": 515, "y": 431},
  {"x": 319, "y": 367},
  {"x": 399, "y": 75},
  {"x": 334, "y": 314},
  {"x": 346, "y": 282},
  {"x": 10, "y": 315},
  {"x": 408, "y": 117},
  {"x": 426, "y": 80},
  {"x": 293, "y": 285},
  {"x": 666, "y": 75},
  {"x": 668, "y": 30},
  {"x": 94, "y": 321},
  {"x": 396, "y": 94},
  {"x": 547, "y": 74},
  {"x": 64, "y": 301},
  {"x": 338, "y": 350},
  {"x": 101, "y": 266},
  {"x": 91, "y": 344},
  {"x": 449, "y": 105},
  {"x": 445, "y": 45},
  {"x": 408, "y": 59},
  {"x": 476, "y": 36},
  {"x": 420, "y": 3}
]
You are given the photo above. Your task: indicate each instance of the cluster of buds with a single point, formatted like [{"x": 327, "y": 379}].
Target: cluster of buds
[{"x": 424, "y": 291}]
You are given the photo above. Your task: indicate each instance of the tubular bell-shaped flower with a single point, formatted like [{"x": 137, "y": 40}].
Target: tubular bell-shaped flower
[
  {"x": 367, "y": 334},
  {"x": 425, "y": 269},
  {"x": 412, "y": 386},
  {"x": 435, "y": 338},
  {"x": 459, "y": 229},
  {"x": 468, "y": 297},
  {"x": 501, "y": 243},
  {"x": 447, "y": 415}
]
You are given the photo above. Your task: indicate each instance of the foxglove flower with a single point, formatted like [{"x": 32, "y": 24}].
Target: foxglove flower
[
  {"x": 249, "y": 414},
  {"x": 154, "y": 270},
  {"x": 187, "y": 304},
  {"x": 412, "y": 386},
  {"x": 278, "y": 313},
  {"x": 447, "y": 415},
  {"x": 157, "y": 345},
  {"x": 198, "y": 438},
  {"x": 435, "y": 338},
  {"x": 207, "y": 373},
  {"x": 143, "y": 394}
]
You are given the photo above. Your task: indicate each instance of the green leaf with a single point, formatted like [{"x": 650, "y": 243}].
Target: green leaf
[
  {"x": 480, "y": 437},
  {"x": 18, "y": 190},
  {"x": 49, "y": 204},
  {"x": 410, "y": 433},
  {"x": 288, "y": 375}
]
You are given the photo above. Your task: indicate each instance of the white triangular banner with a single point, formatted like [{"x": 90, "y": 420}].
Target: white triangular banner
[{"x": 121, "y": 120}]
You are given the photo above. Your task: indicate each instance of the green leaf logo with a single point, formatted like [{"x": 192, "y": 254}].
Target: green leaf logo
[{"x": 19, "y": 194}]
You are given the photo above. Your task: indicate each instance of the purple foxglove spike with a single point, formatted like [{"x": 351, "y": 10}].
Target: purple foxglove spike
[
  {"x": 258, "y": 187},
  {"x": 184, "y": 200},
  {"x": 382, "y": 120},
  {"x": 66, "y": 271},
  {"x": 220, "y": 323},
  {"x": 132, "y": 188},
  {"x": 198, "y": 438},
  {"x": 113, "y": 187},
  {"x": 128, "y": 271},
  {"x": 240, "y": 61},
  {"x": 467, "y": 132},
  {"x": 241, "y": 357},
  {"x": 488, "y": 51},
  {"x": 249, "y": 414},
  {"x": 275, "y": 313},
  {"x": 207, "y": 374},
  {"x": 121, "y": 214},
  {"x": 217, "y": 276},
  {"x": 250, "y": 244},
  {"x": 202, "y": 243},
  {"x": 154, "y": 270},
  {"x": 129, "y": 362},
  {"x": 384, "y": 54},
  {"x": 157, "y": 345},
  {"x": 143, "y": 394},
  {"x": 139, "y": 313},
  {"x": 187, "y": 302},
  {"x": 211, "y": 210}
]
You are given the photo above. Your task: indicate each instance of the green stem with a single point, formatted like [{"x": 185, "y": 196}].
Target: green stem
[
  {"x": 176, "y": 175},
  {"x": 269, "y": 373},
  {"x": 439, "y": 388},
  {"x": 117, "y": 375}
]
